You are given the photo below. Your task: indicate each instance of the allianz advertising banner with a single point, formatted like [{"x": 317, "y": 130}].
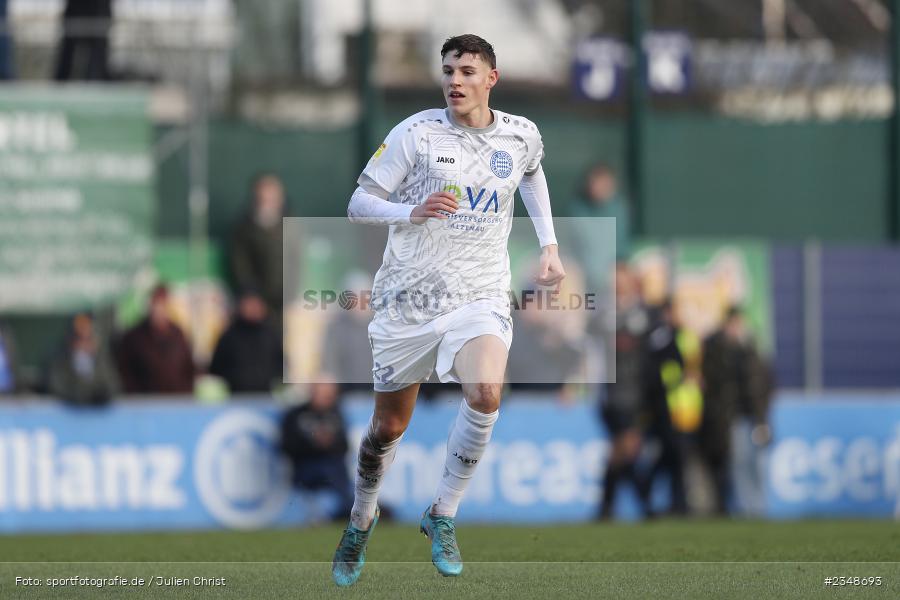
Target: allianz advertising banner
[{"x": 168, "y": 466}]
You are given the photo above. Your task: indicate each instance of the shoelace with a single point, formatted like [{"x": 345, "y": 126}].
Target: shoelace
[
  {"x": 446, "y": 530},
  {"x": 353, "y": 544}
]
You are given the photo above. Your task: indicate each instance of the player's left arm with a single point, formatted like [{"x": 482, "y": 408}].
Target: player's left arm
[{"x": 536, "y": 196}]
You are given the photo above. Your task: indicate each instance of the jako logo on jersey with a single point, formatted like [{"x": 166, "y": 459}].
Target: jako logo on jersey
[
  {"x": 446, "y": 159},
  {"x": 474, "y": 200},
  {"x": 501, "y": 164}
]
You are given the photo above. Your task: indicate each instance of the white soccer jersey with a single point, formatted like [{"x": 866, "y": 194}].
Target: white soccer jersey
[{"x": 432, "y": 268}]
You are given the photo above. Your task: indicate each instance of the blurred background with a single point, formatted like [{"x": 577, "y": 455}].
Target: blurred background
[{"x": 748, "y": 150}]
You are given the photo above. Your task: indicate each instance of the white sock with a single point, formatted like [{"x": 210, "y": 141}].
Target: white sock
[
  {"x": 371, "y": 466},
  {"x": 469, "y": 438}
]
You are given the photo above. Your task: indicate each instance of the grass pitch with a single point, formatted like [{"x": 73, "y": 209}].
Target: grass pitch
[{"x": 665, "y": 559}]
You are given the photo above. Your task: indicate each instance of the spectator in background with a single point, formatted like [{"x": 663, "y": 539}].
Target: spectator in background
[
  {"x": 543, "y": 355},
  {"x": 6, "y": 53},
  {"x": 666, "y": 368},
  {"x": 255, "y": 255},
  {"x": 84, "y": 50},
  {"x": 735, "y": 429},
  {"x": 314, "y": 439},
  {"x": 82, "y": 373},
  {"x": 600, "y": 198},
  {"x": 623, "y": 401},
  {"x": 249, "y": 355},
  {"x": 346, "y": 355},
  {"x": 10, "y": 379},
  {"x": 154, "y": 357}
]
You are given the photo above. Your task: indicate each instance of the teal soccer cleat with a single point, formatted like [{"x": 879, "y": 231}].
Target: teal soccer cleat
[
  {"x": 350, "y": 555},
  {"x": 444, "y": 550}
]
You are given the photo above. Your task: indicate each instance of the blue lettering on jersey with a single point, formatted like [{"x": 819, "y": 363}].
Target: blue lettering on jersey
[
  {"x": 475, "y": 200},
  {"x": 493, "y": 201}
]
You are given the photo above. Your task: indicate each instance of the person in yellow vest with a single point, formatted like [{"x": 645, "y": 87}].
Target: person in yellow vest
[{"x": 674, "y": 402}]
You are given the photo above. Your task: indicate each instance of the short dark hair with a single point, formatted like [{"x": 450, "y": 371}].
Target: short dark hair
[
  {"x": 734, "y": 311},
  {"x": 470, "y": 44}
]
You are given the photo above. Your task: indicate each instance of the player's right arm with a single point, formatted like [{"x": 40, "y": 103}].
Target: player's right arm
[
  {"x": 391, "y": 164},
  {"x": 369, "y": 204}
]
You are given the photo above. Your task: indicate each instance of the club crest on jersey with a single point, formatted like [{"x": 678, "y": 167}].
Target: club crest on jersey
[{"x": 501, "y": 164}]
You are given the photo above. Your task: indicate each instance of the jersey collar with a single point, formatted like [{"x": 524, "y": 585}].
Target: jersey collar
[{"x": 476, "y": 130}]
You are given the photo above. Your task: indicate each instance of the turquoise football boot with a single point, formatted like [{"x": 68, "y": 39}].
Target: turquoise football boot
[
  {"x": 350, "y": 555},
  {"x": 444, "y": 550}
]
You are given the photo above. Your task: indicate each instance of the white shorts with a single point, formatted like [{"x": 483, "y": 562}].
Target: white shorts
[{"x": 405, "y": 354}]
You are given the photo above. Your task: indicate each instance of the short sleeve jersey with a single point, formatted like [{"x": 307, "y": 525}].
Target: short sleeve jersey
[{"x": 435, "y": 267}]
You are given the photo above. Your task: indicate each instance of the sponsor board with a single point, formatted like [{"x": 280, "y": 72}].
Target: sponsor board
[{"x": 164, "y": 465}]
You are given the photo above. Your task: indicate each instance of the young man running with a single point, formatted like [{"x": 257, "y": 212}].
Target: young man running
[{"x": 444, "y": 181}]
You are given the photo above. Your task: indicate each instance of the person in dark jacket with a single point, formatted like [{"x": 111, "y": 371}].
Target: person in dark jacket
[
  {"x": 84, "y": 50},
  {"x": 257, "y": 247},
  {"x": 7, "y": 71},
  {"x": 737, "y": 389},
  {"x": 83, "y": 374},
  {"x": 154, "y": 357},
  {"x": 622, "y": 402},
  {"x": 346, "y": 355},
  {"x": 314, "y": 439},
  {"x": 10, "y": 377},
  {"x": 665, "y": 361},
  {"x": 542, "y": 357},
  {"x": 249, "y": 355}
]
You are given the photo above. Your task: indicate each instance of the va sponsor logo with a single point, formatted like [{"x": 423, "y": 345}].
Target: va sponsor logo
[
  {"x": 37, "y": 473},
  {"x": 475, "y": 199},
  {"x": 240, "y": 478},
  {"x": 831, "y": 470}
]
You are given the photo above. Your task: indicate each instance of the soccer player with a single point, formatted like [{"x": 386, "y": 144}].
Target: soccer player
[{"x": 444, "y": 181}]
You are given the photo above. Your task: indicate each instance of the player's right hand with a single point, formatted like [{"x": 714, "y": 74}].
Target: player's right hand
[{"x": 437, "y": 206}]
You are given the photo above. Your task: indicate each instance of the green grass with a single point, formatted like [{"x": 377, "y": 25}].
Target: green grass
[{"x": 666, "y": 559}]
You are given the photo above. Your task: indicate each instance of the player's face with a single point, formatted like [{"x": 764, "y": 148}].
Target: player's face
[{"x": 467, "y": 82}]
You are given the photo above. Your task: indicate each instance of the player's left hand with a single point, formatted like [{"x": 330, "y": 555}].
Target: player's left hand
[{"x": 551, "y": 270}]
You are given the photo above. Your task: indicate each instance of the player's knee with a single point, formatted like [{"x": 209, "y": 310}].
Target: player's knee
[
  {"x": 484, "y": 397},
  {"x": 388, "y": 429}
]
